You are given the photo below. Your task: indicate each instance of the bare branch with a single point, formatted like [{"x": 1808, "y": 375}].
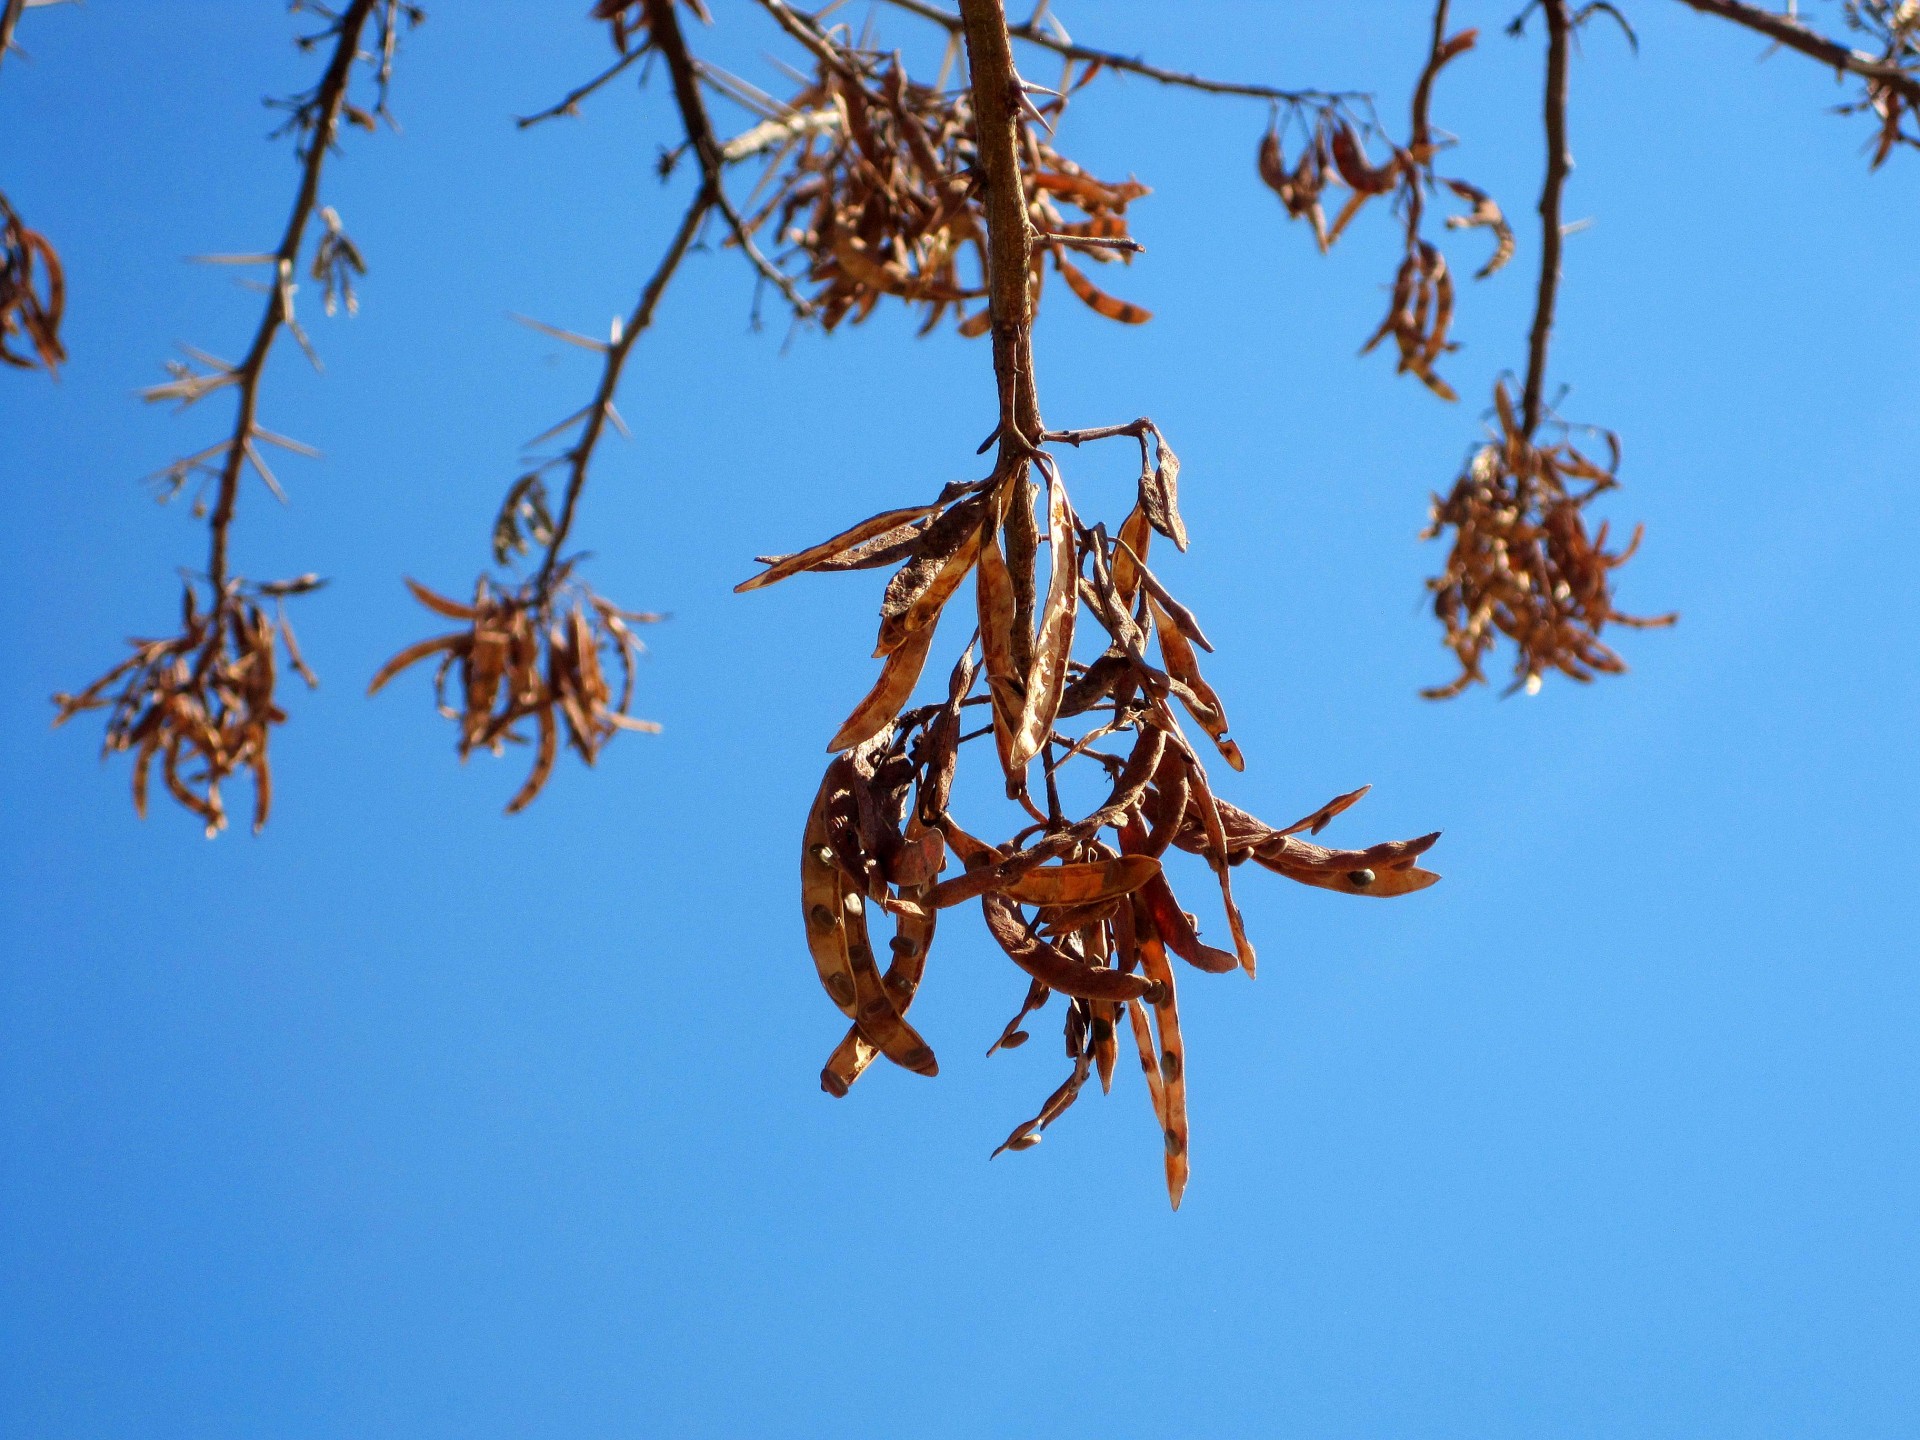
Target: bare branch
[
  {"x": 580, "y": 457},
  {"x": 1788, "y": 31},
  {"x": 1033, "y": 34},
  {"x": 664, "y": 26},
  {"x": 1559, "y": 23},
  {"x": 325, "y": 107},
  {"x": 568, "y": 104}
]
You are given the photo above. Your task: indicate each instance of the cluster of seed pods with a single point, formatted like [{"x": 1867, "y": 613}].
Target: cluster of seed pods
[{"x": 1081, "y": 905}]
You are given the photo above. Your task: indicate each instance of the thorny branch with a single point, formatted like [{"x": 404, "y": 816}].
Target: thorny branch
[
  {"x": 569, "y": 104},
  {"x": 581, "y": 455},
  {"x": 206, "y": 696},
  {"x": 996, "y": 110},
  {"x": 319, "y": 118},
  {"x": 664, "y": 29}
]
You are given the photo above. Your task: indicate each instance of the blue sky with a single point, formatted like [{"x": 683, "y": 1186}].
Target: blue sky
[{"x": 409, "y": 1119}]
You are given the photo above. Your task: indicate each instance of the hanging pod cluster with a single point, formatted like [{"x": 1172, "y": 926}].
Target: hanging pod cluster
[
  {"x": 1099, "y": 669},
  {"x": 1334, "y": 154},
  {"x": 531, "y": 654},
  {"x": 1522, "y": 563},
  {"x": 201, "y": 702}
]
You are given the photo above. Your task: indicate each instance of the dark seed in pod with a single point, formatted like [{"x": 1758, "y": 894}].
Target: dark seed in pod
[{"x": 1362, "y": 878}]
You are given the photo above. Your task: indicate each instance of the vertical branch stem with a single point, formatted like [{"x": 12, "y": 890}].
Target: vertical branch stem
[
  {"x": 996, "y": 116},
  {"x": 328, "y": 100},
  {"x": 1559, "y": 22}
]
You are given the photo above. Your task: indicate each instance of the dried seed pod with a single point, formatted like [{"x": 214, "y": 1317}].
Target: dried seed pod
[
  {"x": 874, "y": 193},
  {"x": 1052, "y": 966},
  {"x": 202, "y": 702},
  {"x": 1522, "y": 563},
  {"x": 1047, "y": 680},
  {"x": 33, "y": 294},
  {"x": 531, "y": 654}
]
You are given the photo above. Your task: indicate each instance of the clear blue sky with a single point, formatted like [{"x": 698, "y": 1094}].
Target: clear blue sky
[{"x": 410, "y": 1120}]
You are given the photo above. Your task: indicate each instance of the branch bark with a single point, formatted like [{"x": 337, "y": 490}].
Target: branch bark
[
  {"x": 996, "y": 111},
  {"x": 1559, "y": 23}
]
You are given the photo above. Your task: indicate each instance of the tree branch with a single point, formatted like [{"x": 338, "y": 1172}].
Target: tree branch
[
  {"x": 1559, "y": 23},
  {"x": 325, "y": 107},
  {"x": 996, "y": 116},
  {"x": 996, "y": 112},
  {"x": 581, "y": 455},
  {"x": 567, "y": 103},
  {"x": 1787, "y": 31},
  {"x": 663, "y": 24},
  {"x": 1033, "y": 35},
  {"x": 9, "y": 18}
]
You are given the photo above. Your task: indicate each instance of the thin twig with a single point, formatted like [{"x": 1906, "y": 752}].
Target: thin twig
[
  {"x": 1787, "y": 31},
  {"x": 1077, "y": 438},
  {"x": 1559, "y": 23},
  {"x": 804, "y": 29},
  {"x": 601, "y": 408},
  {"x": 1092, "y": 242},
  {"x": 567, "y": 103},
  {"x": 326, "y": 105},
  {"x": 1033, "y": 34}
]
